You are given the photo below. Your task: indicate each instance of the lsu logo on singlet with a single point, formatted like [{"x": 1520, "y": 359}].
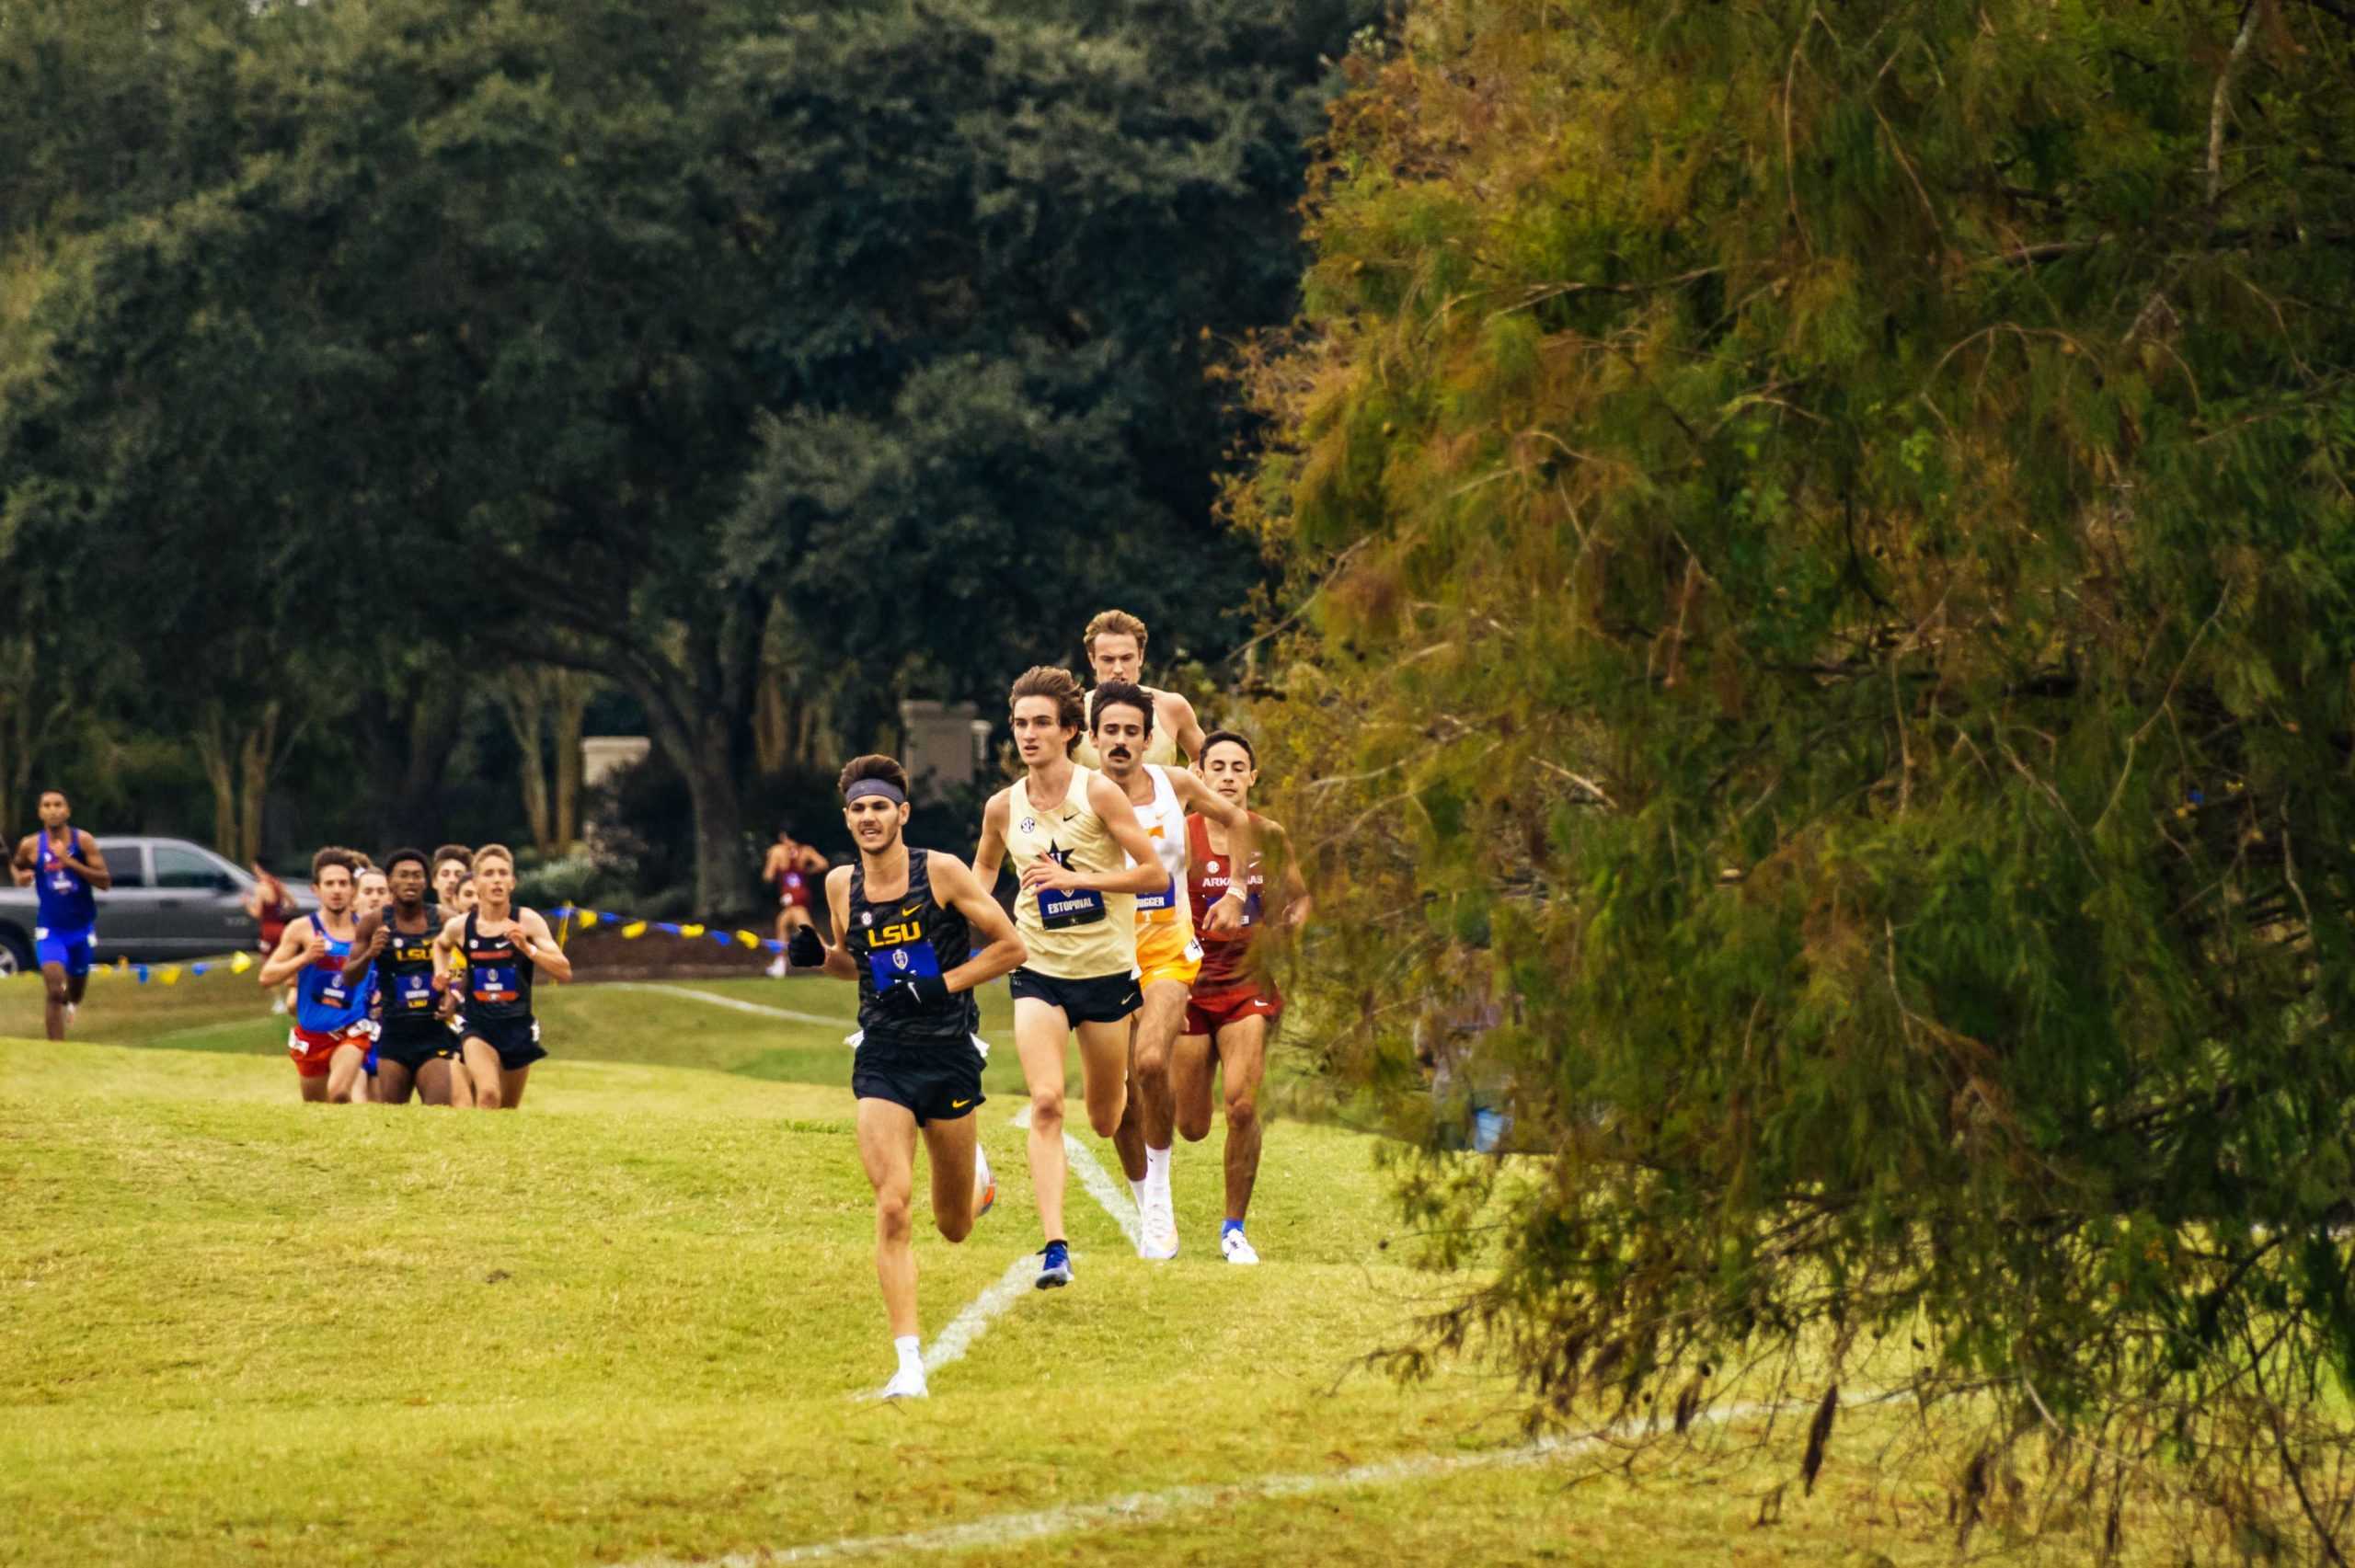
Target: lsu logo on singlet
[
  {"x": 897, "y": 951},
  {"x": 412, "y": 964}
]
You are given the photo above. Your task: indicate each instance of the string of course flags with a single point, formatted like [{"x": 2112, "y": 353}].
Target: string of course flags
[{"x": 628, "y": 927}]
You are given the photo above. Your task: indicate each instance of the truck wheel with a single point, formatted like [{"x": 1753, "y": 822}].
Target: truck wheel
[{"x": 16, "y": 954}]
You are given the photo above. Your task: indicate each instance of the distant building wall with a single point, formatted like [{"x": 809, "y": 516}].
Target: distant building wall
[{"x": 944, "y": 748}]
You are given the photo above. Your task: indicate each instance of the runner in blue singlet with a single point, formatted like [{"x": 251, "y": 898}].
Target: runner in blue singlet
[
  {"x": 66, "y": 871},
  {"x": 330, "y": 1035}
]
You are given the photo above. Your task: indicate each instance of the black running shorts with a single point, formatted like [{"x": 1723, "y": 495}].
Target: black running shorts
[
  {"x": 1104, "y": 999},
  {"x": 517, "y": 1040},
  {"x": 412, "y": 1044},
  {"x": 936, "y": 1081}
]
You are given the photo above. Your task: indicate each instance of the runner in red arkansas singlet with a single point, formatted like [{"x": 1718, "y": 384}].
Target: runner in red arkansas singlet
[{"x": 1234, "y": 1004}]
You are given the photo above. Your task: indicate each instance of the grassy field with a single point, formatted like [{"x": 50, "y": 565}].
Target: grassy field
[{"x": 634, "y": 1321}]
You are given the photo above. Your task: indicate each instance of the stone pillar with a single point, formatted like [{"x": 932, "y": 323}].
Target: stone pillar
[{"x": 943, "y": 740}]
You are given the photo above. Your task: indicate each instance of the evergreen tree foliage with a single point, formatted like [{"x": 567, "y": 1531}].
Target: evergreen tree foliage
[{"x": 1823, "y": 558}]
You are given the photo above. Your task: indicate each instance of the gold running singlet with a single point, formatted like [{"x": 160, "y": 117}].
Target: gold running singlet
[
  {"x": 1159, "y": 747},
  {"x": 1075, "y": 937},
  {"x": 1165, "y": 946}
]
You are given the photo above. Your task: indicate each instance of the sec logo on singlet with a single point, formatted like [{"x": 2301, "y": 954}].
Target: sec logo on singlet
[
  {"x": 1211, "y": 866},
  {"x": 1029, "y": 824}
]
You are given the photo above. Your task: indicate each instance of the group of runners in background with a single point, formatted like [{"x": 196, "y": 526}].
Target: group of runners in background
[
  {"x": 1141, "y": 884},
  {"x": 415, "y": 976},
  {"x": 390, "y": 994}
]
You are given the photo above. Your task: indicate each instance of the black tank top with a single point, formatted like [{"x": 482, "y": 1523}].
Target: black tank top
[
  {"x": 498, "y": 978},
  {"x": 405, "y": 969},
  {"x": 912, "y": 934}
]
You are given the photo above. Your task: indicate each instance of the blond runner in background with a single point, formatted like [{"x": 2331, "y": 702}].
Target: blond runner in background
[{"x": 1115, "y": 644}]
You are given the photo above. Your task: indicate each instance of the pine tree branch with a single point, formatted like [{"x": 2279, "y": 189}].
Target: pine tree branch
[{"x": 2222, "y": 101}]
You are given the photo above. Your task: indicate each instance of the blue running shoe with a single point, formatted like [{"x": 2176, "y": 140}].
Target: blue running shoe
[{"x": 1054, "y": 1266}]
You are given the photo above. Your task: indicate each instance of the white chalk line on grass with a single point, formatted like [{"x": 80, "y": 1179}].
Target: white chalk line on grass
[
  {"x": 1150, "y": 1507},
  {"x": 715, "y": 999},
  {"x": 1098, "y": 1183},
  {"x": 951, "y": 1342},
  {"x": 1020, "y": 1278}
]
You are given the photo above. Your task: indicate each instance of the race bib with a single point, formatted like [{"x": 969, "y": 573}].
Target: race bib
[
  {"x": 1161, "y": 900},
  {"x": 413, "y": 993},
  {"x": 1063, "y": 910},
  {"x": 495, "y": 982},
  {"x": 62, "y": 883},
  {"x": 889, "y": 965},
  {"x": 335, "y": 994}
]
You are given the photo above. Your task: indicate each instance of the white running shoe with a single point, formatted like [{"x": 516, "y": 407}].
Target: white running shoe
[
  {"x": 906, "y": 1383},
  {"x": 983, "y": 1183},
  {"x": 71, "y": 1009},
  {"x": 1158, "y": 1235},
  {"x": 1237, "y": 1250},
  {"x": 776, "y": 969}
]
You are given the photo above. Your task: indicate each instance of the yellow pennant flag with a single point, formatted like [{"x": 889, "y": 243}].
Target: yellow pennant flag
[
  {"x": 241, "y": 962},
  {"x": 169, "y": 974},
  {"x": 691, "y": 931},
  {"x": 589, "y": 918},
  {"x": 748, "y": 939},
  {"x": 634, "y": 929}
]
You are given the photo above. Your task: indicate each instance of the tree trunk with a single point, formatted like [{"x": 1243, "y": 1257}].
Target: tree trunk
[
  {"x": 258, "y": 758},
  {"x": 524, "y": 698},
  {"x": 720, "y": 871},
  {"x": 238, "y": 761},
  {"x": 772, "y": 723},
  {"x": 212, "y": 752},
  {"x": 573, "y": 691},
  {"x": 433, "y": 720}
]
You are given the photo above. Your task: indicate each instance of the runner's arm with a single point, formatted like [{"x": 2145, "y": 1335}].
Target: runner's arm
[
  {"x": 1184, "y": 727},
  {"x": 1143, "y": 875},
  {"x": 368, "y": 939},
  {"x": 446, "y": 962},
  {"x": 811, "y": 860},
  {"x": 544, "y": 953},
  {"x": 1297, "y": 903},
  {"x": 293, "y": 953},
  {"x": 21, "y": 865},
  {"x": 92, "y": 866},
  {"x": 1242, "y": 844},
  {"x": 990, "y": 854},
  {"x": 838, "y": 961},
  {"x": 960, "y": 890}
]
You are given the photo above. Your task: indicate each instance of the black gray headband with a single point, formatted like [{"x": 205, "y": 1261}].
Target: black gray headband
[{"x": 866, "y": 788}]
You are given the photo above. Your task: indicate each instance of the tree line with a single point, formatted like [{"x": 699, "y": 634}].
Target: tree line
[{"x": 373, "y": 367}]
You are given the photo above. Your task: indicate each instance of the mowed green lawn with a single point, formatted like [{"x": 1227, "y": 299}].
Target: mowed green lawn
[{"x": 634, "y": 1320}]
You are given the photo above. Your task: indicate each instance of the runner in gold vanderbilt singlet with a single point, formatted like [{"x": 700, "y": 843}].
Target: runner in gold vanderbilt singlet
[{"x": 1083, "y": 857}]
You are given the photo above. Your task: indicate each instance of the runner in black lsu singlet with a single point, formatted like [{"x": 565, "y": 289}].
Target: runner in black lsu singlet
[
  {"x": 929, "y": 1059},
  {"x": 498, "y": 1003},
  {"x": 413, "y": 1033}
]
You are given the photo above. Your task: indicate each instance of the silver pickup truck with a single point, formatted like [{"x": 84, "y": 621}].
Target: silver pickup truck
[{"x": 171, "y": 899}]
